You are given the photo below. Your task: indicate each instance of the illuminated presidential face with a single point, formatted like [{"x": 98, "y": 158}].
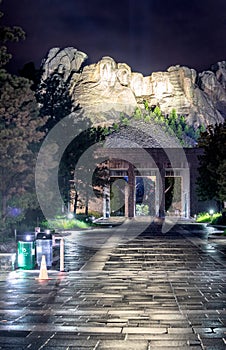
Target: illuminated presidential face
[
  {"x": 124, "y": 74},
  {"x": 107, "y": 71}
]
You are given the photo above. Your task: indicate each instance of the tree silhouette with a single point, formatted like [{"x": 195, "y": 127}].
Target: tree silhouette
[
  {"x": 212, "y": 171},
  {"x": 81, "y": 179},
  {"x": 19, "y": 133},
  {"x": 12, "y": 34},
  {"x": 53, "y": 95}
]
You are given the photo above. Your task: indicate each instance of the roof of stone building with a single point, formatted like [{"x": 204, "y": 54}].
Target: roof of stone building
[{"x": 139, "y": 134}]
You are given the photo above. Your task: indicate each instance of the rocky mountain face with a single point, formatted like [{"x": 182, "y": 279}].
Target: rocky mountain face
[{"x": 107, "y": 88}]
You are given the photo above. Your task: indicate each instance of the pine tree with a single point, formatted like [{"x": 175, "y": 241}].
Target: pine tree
[
  {"x": 12, "y": 34},
  {"x": 212, "y": 171},
  {"x": 19, "y": 130},
  {"x": 80, "y": 175},
  {"x": 137, "y": 114},
  {"x": 19, "y": 133},
  {"x": 221, "y": 175},
  {"x": 157, "y": 112},
  {"x": 55, "y": 101}
]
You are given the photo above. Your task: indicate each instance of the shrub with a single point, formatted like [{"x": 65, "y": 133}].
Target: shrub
[
  {"x": 142, "y": 209},
  {"x": 207, "y": 218},
  {"x": 64, "y": 223},
  {"x": 147, "y": 118}
]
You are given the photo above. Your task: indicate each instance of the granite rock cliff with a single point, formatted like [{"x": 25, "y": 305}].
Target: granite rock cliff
[{"x": 107, "y": 88}]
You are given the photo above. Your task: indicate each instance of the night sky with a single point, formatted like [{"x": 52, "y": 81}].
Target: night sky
[{"x": 149, "y": 35}]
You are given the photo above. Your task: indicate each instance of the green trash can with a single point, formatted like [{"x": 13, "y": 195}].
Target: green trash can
[{"x": 26, "y": 251}]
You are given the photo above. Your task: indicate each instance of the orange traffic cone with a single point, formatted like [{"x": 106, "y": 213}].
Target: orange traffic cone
[{"x": 43, "y": 275}]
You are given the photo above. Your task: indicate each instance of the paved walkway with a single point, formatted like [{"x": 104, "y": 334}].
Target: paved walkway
[{"x": 156, "y": 291}]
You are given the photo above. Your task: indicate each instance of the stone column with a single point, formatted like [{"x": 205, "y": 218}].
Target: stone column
[
  {"x": 131, "y": 190},
  {"x": 106, "y": 203},
  {"x": 157, "y": 181},
  {"x": 161, "y": 192},
  {"x": 126, "y": 200},
  {"x": 186, "y": 193}
]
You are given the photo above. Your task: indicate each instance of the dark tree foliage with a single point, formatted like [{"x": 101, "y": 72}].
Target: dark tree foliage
[
  {"x": 53, "y": 95},
  {"x": 76, "y": 176},
  {"x": 31, "y": 73},
  {"x": 8, "y": 34},
  {"x": 19, "y": 132},
  {"x": 212, "y": 171},
  {"x": 55, "y": 100}
]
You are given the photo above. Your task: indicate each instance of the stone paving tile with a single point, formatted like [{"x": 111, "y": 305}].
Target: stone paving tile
[
  {"x": 46, "y": 347},
  {"x": 154, "y": 347},
  {"x": 123, "y": 345},
  {"x": 213, "y": 344},
  {"x": 14, "y": 341},
  {"x": 143, "y": 330},
  {"x": 167, "y": 337},
  {"x": 75, "y": 348},
  {"x": 185, "y": 330},
  {"x": 72, "y": 342},
  {"x": 156, "y": 292},
  {"x": 115, "y": 337},
  {"x": 11, "y": 347},
  {"x": 173, "y": 343}
]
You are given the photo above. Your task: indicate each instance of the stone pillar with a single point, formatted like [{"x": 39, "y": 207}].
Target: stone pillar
[
  {"x": 157, "y": 193},
  {"x": 106, "y": 203},
  {"x": 162, "y": 192},
  {"x": 131, "y": 190},
  {"x": 186, "y": 193},
  {"x": 126, "y": 200}
]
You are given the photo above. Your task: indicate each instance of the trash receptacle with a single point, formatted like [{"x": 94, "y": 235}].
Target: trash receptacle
[
  {"x": 26, "y": 251},
  {"x": 44, "y": 247}
]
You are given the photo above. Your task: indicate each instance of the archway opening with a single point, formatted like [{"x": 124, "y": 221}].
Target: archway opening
[{"x": 145, "y": 202}]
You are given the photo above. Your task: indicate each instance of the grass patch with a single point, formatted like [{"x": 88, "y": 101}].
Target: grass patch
[
  {"x": 207, "y": 218},
  {"x": 64, "y": 224}
]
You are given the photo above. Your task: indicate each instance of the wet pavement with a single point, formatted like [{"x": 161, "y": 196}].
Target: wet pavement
[{"x": 154, "y": 291}]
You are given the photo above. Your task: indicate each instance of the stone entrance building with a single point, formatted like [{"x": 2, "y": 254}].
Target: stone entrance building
[
  {"x": 148, "y": 173},
  {"x": 156, "y": 182}
]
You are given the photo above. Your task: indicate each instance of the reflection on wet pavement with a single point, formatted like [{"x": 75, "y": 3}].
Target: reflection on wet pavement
[{"x": 153, "y": 291}]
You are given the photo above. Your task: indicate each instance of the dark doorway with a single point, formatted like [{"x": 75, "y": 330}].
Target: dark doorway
[
  {"x": 173, "y": 188},
  {"x": 145, "y": 195},
  {"x": 117, "y": 195}
]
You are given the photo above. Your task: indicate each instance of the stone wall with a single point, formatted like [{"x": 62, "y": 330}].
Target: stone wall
[{"x": 7, "y": 261}]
